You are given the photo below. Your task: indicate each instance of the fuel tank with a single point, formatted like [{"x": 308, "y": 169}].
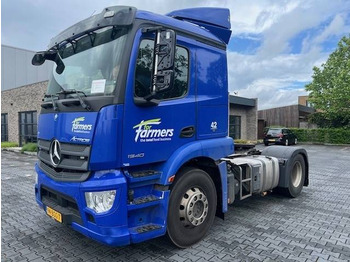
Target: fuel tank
[{"x": 262, "y": 170}]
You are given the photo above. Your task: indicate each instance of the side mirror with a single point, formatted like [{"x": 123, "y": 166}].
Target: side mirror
[
  {"x": 163, "y": 61},
  {"x": 40, "y": 57}
]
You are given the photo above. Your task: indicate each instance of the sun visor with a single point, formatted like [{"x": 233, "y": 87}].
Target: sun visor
[{"x": 110, "y": 16}]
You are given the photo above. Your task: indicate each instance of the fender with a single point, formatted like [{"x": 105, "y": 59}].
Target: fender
[
  {"x": 212, "y": 148},
  {"x": 223, "y": 176},
  {"x": 285, "y": 155}
]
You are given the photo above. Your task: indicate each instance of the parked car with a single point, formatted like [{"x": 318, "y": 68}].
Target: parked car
[{"x": 282, "y": 136}]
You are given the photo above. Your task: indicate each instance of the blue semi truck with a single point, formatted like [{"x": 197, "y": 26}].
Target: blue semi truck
[{"x": 133, "y": 132}]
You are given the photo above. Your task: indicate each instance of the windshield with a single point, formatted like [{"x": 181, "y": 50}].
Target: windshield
[
  {"x": 274, "y": 131},
  {"x": 91, "y": 62}
]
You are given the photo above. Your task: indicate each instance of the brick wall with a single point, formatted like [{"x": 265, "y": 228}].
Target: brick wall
[
  {"x": 302, "y": 100},
  {"x": 249, "y": 120},
  {"x": 25, "y": 98}
]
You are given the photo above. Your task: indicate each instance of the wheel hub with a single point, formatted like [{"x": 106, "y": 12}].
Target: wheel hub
[{"x": 193, "y": 207}]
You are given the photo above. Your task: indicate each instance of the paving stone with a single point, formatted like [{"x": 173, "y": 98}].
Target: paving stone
[{"x": 313, "y": 227}]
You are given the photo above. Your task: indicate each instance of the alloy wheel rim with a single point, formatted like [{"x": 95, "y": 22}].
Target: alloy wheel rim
[{"x": 193, "y": 208}]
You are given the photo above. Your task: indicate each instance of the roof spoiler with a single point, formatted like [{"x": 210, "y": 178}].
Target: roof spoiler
[{"x": 215, "y": 20}]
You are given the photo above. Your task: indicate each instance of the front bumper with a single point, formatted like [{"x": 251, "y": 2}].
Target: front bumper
[{"x": 110, "y": 227}]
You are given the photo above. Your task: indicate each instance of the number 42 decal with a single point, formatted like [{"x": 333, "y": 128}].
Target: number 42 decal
[{"x": 214, "y": 126}]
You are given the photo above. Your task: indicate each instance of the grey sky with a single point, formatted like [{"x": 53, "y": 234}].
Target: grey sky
[
  {"x": 274, "y": 44},
  {"x": 30, "y": 24}
]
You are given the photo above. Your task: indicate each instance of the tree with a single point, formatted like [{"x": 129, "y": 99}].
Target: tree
[{"x": 330, "y": 88}]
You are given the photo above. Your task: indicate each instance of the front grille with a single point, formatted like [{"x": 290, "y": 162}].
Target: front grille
[
  {"x": 61, "y": 203},
  {"x": 73, "y": 165}
]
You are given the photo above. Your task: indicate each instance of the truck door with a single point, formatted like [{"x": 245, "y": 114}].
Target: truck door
[{"x": 153, "y": 133}]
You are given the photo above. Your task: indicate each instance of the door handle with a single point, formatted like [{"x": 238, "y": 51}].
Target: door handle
[{"x": 187, "y": 132}]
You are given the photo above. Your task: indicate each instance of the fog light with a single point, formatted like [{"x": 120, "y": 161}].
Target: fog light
[{"x": 100, "y": 201}]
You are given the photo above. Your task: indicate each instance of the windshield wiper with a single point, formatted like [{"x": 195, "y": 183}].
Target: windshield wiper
[
  {"x": 77, "y": 93},
  {"x": 52, "y": 101}
]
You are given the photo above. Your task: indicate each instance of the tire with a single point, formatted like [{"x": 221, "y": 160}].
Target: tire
[
  {"x": 295, "y": 141},
  {"x": 287, "y": 142},
  {"x": 191, "y": 182},
  {"x": 266, "y": 144},
  {"x": 296, "y": 177}
]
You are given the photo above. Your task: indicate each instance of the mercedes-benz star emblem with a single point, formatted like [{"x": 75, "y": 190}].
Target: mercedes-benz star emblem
[{"x": 55, "y": 153}]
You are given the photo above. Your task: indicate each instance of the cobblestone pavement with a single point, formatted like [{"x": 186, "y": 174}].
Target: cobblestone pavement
[{"x": 312, "y": 227}]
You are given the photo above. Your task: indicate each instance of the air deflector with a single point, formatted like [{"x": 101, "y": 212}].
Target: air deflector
[{"x": 215, "y": 20}]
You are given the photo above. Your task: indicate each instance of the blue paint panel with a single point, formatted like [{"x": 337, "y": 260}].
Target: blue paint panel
[
  {"x": 210, "y": 148},
  {"x": 104, "y": 127},
  {"x": 215, "y": 20},
  {"x": 110, "y": 227},
  {"x": 212, "y": 125},
  {"x": 215, "y": 16},
  {"x": 212, "y": 95},
  {"x": 169, "y": 117},
  {"x": 106, "y": 149},
  {"x": 176, "y": 23},
  {"x": 67, "y": 127}
]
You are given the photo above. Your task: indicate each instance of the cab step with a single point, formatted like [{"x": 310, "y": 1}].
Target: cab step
[
  {"x": 144, "y": 202},
  {"x": 145, "y": 173},
  {"x": 147, "y": 231},
  {"x": 141, "y": 178},
  {"x": 147, "y": 228}
]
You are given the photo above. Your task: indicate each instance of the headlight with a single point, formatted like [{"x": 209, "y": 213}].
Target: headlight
[{"x": 100, "y": 201}]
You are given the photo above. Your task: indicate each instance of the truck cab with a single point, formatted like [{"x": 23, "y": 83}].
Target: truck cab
[{"x": 134, "y": 125}]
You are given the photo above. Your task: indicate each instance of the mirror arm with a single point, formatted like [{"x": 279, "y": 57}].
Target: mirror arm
[
  {"x": 151, "y": 29},
  {"x": 155, "y": 71}
]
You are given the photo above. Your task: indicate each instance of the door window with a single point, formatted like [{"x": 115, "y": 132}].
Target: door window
[{"x": 143, "y": 72}]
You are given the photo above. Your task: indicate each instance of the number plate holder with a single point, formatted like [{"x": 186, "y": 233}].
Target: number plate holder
[{"x": 54, "y": 214}]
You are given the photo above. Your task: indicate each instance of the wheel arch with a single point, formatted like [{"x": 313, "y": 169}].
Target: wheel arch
[
  {"x": 206, "y": 155},
  {"x": 211, "y": 150}
]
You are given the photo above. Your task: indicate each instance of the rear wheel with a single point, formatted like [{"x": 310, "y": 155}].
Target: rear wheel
[
  {"x": 192, "y": 207},
  {"x": 297, "y": 177}
]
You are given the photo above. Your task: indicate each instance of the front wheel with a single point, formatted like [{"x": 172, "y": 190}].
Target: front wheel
[
  {"x": 287, "y": 142},
  {"x": 192, "y": 207}
]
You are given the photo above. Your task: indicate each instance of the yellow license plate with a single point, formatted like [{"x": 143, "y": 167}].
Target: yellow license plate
[
  {"x": 272, "y": 140},
  {"x": 54, "y": 214}
]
